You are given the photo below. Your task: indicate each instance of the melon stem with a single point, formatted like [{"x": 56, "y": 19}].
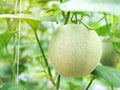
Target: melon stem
[
  {"x": 58, "y": 82},
  {"x": 90, "y": 83}
]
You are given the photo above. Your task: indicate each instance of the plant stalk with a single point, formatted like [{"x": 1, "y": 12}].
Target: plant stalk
[
  {"x": 43, "y": 54},
  {"x": 90, "y": 83},
  {"x": 58, "y": 82}
]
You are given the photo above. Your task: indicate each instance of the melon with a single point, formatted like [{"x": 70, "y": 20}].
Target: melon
[
  {"x": 74, "y": 51},
  {"x": 109, "y": 55}
]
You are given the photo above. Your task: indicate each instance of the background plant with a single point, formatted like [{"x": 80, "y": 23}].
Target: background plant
[{"x": 26, "y": 27}]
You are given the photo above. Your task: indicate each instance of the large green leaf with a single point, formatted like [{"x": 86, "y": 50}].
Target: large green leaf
[
  {"x": 106, "y": 6},
  {"x": 27, "y": 16},
  {"x": 33, "y": 23},
  {"x": 12, "y": 86},
  {"x": 32, "y": 20},
  {"x": 109, "y": 74},
  {"x": 5, "y": 38}
]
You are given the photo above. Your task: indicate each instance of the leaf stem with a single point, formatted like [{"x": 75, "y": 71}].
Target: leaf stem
[
  {"x": 76, "y": 19},
  {"x": 43, "y": 54},
  {"x": 90, "y": 83},
  {"x": 106, "y": 21},
  {"x": 58, "y": 82}
]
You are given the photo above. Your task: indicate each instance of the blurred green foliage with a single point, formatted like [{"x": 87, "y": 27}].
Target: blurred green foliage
[{"x": 44, "y": 16}]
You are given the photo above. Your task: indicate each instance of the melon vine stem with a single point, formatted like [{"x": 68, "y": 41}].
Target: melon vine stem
[
  {"x": 90, "y": 83},
  {"x": 76, "y": 19},
  {"x": 43, "y": 54}
]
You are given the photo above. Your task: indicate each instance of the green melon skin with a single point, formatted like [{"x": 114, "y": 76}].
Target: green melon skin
[
  {"x": 109, "y": 55},
  {"x": 74, "y": 51}
]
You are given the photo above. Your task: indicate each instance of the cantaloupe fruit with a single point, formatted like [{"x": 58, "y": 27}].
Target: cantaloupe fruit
[
  {"x": 74, "y": 51},
  {"x": 109, "y": 55}
]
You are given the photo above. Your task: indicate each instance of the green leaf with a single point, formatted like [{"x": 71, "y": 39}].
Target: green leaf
[
  {"x": 12, "y": 86},
  {"x": 109, "y": 74},
  {"x": 33, "y": 23},
  {"x": 103, "y": 30},
  {"x": 5, "y": 38},
  {"x": 27, "y": 16},
  {"x": 32, "y": 20},
  {"x": 106, "y": 6}
]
